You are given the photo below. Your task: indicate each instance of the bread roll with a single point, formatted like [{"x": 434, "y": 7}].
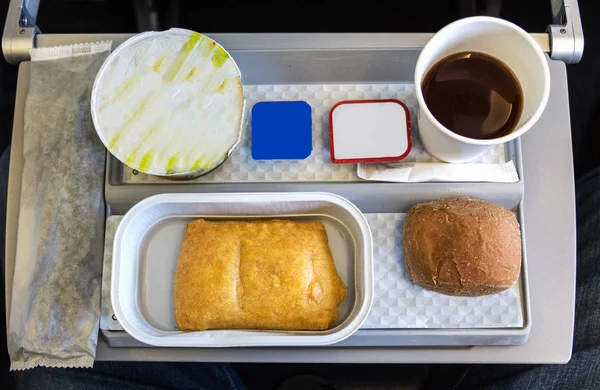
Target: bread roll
[
  {"x": 463, "y": 246},
  {"x": 256, "y": 275}
]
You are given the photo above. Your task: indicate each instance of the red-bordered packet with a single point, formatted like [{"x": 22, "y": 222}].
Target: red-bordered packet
[{"x": 369, "y": 131}]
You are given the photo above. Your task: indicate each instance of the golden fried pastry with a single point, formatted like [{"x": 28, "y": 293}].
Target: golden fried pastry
[{"x": 256, "y": 275}]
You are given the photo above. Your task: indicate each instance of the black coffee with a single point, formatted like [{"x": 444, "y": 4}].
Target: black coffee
[{"x": 474, "y": 95}]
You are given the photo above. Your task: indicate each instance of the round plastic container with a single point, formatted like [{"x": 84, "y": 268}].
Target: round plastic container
[{"x": 169, "y": 104}]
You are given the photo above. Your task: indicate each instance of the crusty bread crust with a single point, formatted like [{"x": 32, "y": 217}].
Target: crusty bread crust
[{"x": 462, "y": 246}]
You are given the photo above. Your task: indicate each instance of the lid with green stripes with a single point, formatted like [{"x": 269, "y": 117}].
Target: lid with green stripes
[{"x": 169, "y": 103}]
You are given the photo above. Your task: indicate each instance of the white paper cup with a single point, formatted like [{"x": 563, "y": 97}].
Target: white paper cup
[{"x": 502, "y": 40}]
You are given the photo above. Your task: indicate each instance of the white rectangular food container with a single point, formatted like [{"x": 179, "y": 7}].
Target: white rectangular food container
[{"x": 148, "y": 241}]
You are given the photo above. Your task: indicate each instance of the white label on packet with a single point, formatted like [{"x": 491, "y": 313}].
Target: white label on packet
[{"x": 414, "y": 172}]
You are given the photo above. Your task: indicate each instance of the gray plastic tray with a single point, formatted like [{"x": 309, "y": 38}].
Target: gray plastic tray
[{"x": 371, "y": 70}]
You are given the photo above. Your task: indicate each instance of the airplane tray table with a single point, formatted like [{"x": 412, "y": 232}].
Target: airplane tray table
[{"x": 543, "y": 199}]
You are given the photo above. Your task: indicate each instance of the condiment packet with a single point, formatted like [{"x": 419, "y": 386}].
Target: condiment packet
[
  {"x": 412, "y": 172},
  {"x": 55, "y": 300}
]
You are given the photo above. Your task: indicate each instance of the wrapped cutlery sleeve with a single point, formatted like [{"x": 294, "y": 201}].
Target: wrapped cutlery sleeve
[{"x": 55, "y": 307}]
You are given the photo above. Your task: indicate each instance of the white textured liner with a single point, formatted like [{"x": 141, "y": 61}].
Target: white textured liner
[{"x": 132, "y": 297}]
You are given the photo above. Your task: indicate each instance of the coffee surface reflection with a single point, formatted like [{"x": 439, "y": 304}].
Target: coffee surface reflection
[{"x": 474, "y": 95}]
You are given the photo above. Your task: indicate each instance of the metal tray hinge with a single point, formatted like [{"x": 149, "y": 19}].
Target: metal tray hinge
[
  {"x": 566, "y": 34},
  {"x": 20, "y": 30}
]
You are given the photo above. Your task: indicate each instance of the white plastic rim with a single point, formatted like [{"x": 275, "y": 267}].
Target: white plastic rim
[
  {"x": 125, "y": 273},
  {"x": 440, "y": 46}
]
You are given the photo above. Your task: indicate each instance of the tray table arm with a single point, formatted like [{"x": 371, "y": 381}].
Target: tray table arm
[
  {"x": 20, "y": 30},
  {"x": 566, "y": 32}
]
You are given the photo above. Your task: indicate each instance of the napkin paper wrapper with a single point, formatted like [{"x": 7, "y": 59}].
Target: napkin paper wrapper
[
  {"x": 415, "y": 172},
  {"x": 55, "y": 299}
]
